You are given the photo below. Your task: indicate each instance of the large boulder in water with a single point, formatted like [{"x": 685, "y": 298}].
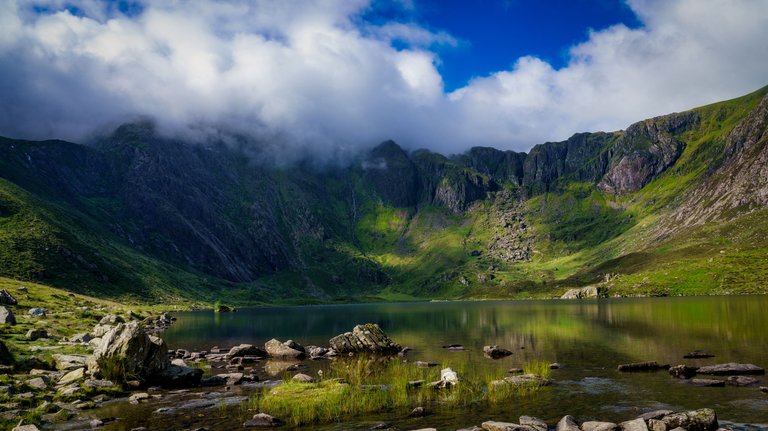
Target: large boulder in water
[
  {"x": 278, "y": 349},
  {"x": 128, "y": 352},
  {"x": 364, "y": 338},
  {"x": 694, "y": 420}
]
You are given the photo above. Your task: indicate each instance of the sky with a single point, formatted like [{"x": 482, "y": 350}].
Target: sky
[{"x": 329, "y": 77}]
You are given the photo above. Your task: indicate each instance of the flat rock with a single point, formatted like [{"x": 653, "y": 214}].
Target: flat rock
[
  {"x": 656, "y": 414},
  {"x": 633, "y": 425},
  {"x": 641, "y": 366},
  {"x": 598, "y": 426},
  {"x": 72, "y": 377},
  {"x": 731, "y": 368},
  {"x": 708, "y": 382},
  {"x": 504, "y": 426},
  {"x": 682, "y": 371},
  {"x": 533, "y": 422},
  {"x": 37, "y": 383},
  {"x": 567, "y": 423},
  {"x": 26, "y": 428},
  {"x": 698, "y": 354},
  {"x": 69, "y": 362},
  {"x": 741, "y": 381},
  {"x": 262, "y": 420}
]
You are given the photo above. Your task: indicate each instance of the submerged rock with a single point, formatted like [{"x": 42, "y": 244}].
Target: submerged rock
[
  {"x": 683, "y": 371},
  {"x": 496, "y": 352},
  {"x": 641, "y": 366},
  {"x": 707, "y": 382},
  {"x": 731, "y": 368},
  {"x": 741, "y": 381},
  {"x": 364, "y": 338},
  {"x": 698, "y": 354}
]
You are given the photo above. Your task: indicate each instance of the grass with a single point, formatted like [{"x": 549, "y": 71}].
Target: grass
[{"x": 370, "y": 385}]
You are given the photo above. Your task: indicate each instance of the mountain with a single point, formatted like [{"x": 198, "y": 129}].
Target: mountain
[{"x": 672, "y": 205}]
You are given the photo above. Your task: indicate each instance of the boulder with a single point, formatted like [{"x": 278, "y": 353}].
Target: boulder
[
  {"x": 633, "y": 425},
  {"x": 567, "y": 423},
  {"x": 38, "y": 383},
  {"x": 533, "y": 422},
  {"x": 36, "y": 334},
  {"x": 731, "y": 368},
  {"x": 417, "y": 412},
  {"x": 683, "y": 371},
  {"x": 641, "y": 366},
  {"x": 36, "y": 312},
  {"x": 26, "y": 428},
  {"x": 504, "y": 426},
  {"x": 246, "y": 350},
  {"x": 598, "y": 426},
  {"x": 694, "y": 420},
  {"x": 364, "y": 338},
  {"x": 111, "y": 319},
  {"x": 527, "y": 379},
  {"x": 6, "y": 316},
  {"x": 495, "y": 352},
  {"x": 585, "y": 293},
  {"x": 656, "y": 414},
  {"x": 656, "y": 425},
  {"x": 317, "y": 352},
  {"x": 178, "y": 377},
  {"x": 303, "y": 378},
  {"x": 83, "y": 338},
  {"x": 741, "y": 381},
  {"x": 69, "y": 362},
  {"x": 262, "y": 420},
  {"x": 423, "y": 364},
  {"x": 128, "y": 352},
  {"x": 449, "y": 377},
  {"x": 6, "y": 298},
  {"x": 277, "y": 349},
  {"x": 214, "y": 381}
]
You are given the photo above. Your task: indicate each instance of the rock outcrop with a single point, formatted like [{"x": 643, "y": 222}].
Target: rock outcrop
[{"x": 367, "y": 338}]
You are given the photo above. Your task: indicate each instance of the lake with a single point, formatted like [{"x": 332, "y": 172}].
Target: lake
[{"x": 588, "y": 337}]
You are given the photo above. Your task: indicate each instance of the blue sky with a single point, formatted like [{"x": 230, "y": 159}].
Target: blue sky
[
  {"x": 329, "y": 77},
  {"x": 493, "y": 34}
]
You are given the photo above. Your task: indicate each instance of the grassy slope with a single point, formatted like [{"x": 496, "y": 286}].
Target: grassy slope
[{"x": 583, "y": 235}]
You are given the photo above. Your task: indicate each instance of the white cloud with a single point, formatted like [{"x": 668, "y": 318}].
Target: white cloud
[{"x": 308, "y": 73}]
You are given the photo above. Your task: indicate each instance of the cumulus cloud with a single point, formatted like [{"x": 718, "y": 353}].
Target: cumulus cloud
[{"x": 313, "y": 75}]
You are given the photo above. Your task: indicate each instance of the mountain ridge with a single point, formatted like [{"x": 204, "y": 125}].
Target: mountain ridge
[{"x": 151, "y": 217}]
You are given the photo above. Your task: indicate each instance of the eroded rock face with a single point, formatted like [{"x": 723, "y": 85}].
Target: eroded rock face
[
  {"x": 128, "y": 352},
  {"x": 364, "y": 338}
]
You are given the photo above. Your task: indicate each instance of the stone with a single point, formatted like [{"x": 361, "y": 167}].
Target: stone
[
  {"x": 179, "y": 363},
  {"x": 111, "y": 319},
  {"x": 555, "y": 366},
  {"x": 472, "y": 428},
  {"x": 138, "y": 397},
  {"x": 83, "y": 338},
  {"x": 656, "y": 425},
  {"x": 175, "y": 376},
  {"x": 246, "y": 350},
  {"x": 527, "y": 379},
  {"x": 682, "y": 371},
  {"x": 741, "y": 381},
  {"x": 417, "y": 412},
  {"x": 731, "y": 368},
  {"x": 317, "y": 352},
  {"x": 449, "y": 377},
  {"x": 97, "y": 384},
  {"x": 533, "y": 422},
  {"x": 127, "y": 350},
  {"x": 694, "y": 420},
  {"x": 585, "y": 293},
  {"x": 36, "y": 312},
  {"x": 656, "y": 414},
  {"x": 708, "y": 382},
  {"x": 6, "y": 298},
  {"x": 303, "y": 378},
  {"x": 496, "y": 352},
  {"x": 233, "y": 378},
  {"x": 364, "y": 338},
  {"x": 567, "y": 423},
  {"x": 698, "y": 354},
  {"x": 38, "y": 383},
  {"x": 6, "y": 358},
  {"x": 422, "y": 364},
  {"x": 598, "y": 426},
  {"x": 100, "y": 330},
  {"x": 262, "y": 420},
  {"x": 277, "y": 349},
  {"x": 504, "y": 426},
  {"x": 633, "y": 425},
  {"x": 69, "y": 362},
  {"x": 515, "y": 370},
  {"x": 26, "y": 428},
  {"x": 72, "y": 377},
  {"x": 641, "y": 366},
  {"x": 6, "y": 316},
  {"x": 36, "y": 334},
  {"x": 764, "y": 389},
  {"x": 213, "y": 381}
]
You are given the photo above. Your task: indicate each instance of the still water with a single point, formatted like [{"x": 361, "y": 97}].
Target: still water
[{"x": 589, "y": 339}]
